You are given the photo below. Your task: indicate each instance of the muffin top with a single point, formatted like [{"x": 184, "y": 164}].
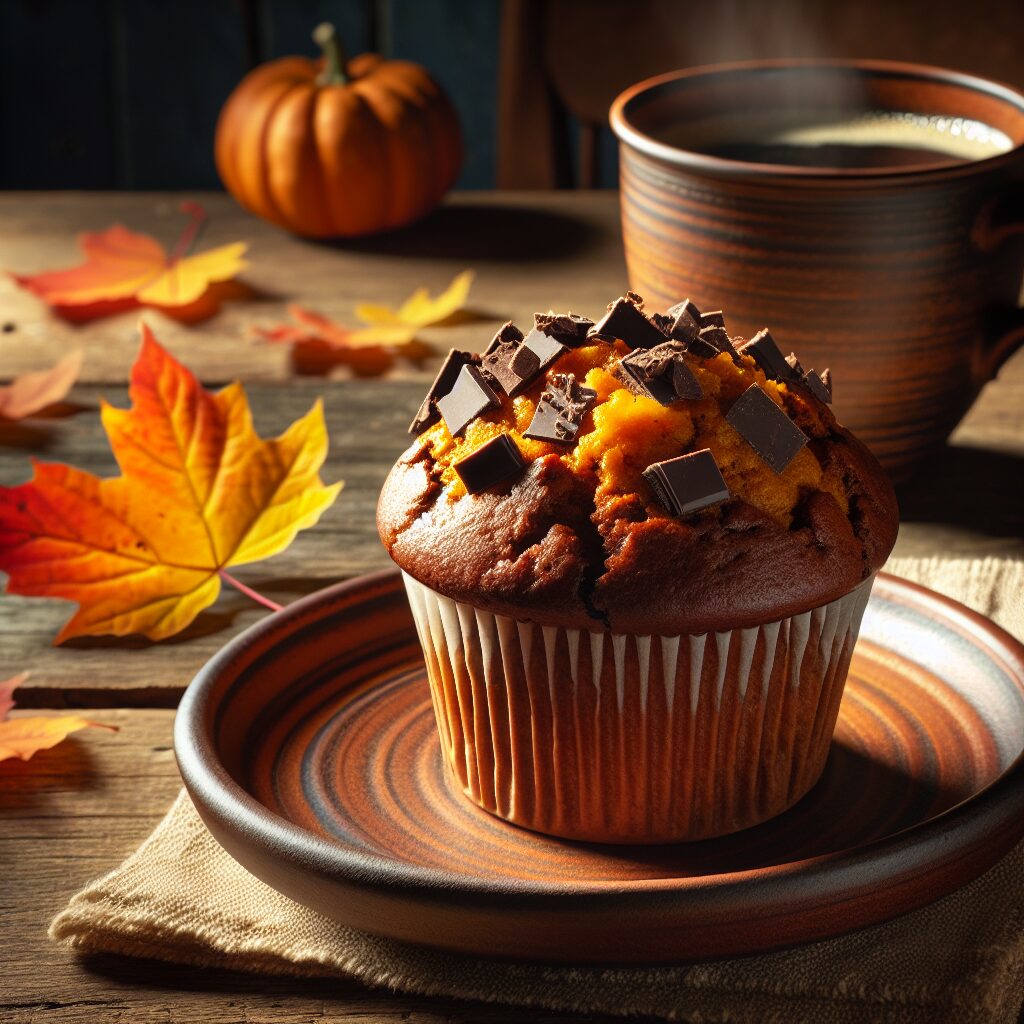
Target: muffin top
[{"x": 646, "y": 473}]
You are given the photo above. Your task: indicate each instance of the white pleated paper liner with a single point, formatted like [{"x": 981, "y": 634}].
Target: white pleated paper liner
[{"x": 628, "y": 738}]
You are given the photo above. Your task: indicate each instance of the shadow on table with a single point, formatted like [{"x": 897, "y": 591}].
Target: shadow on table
[
  {"x": 493, "y": 232},
  {"x": 979, "y": 489},
  {"x": 35, "y": 433},
  {"x": 27, "y": 784},
  {"x": 220, "y": 618}
]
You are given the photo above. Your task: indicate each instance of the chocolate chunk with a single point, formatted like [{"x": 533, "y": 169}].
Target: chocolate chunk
[
  {"x": 701, "y": 347},
  {"x": 687, "y": 483},
  {"x": 718, "y": 337},
  {"x": 686, "y": 306},
  {"x": 568, "y": 328},
  {"x": 492, "y": 463},
  {"x": 809, "y": 381},
  {"x": 560, "y": 410},
  {"x": 513, "y": 363},
  {"x": 546, "y": 349},
  {"x": 663, "y": 322},
  {"x": 508, "y": 332},
  {"x": 686, "y": 384},
  {"x": 766, "y": 428},
  {"x": 470, "y": 397},
  {"x": 769, "y": 357},
  {"x": 428, "y": 415},
  {"x": 510, "y": 366},
  {"x": 826, "y": 379},
  {"x": 625, "y": 321},
  {"x": 713, "y": 319},
  {"x": 814, "y": 383},
  {"x": 660, "y": 373}
]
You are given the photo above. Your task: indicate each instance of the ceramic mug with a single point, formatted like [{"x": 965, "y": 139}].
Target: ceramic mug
[{"x": 903, "y": 278}]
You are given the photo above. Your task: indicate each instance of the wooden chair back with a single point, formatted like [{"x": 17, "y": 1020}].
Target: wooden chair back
[{"x": 562, "y": 62}]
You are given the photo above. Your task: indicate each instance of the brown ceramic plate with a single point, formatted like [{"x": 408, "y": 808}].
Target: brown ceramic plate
[{"x": 309, "y": 748}]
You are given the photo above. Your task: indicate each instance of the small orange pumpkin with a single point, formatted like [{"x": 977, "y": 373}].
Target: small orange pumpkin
[{"x": 331, "y": 148}]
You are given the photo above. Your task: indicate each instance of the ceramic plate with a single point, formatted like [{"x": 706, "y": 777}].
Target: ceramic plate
[{"x": 309, "y": 748}]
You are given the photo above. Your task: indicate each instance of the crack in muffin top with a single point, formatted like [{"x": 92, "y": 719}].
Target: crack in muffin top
[
  {"x": 576, "y": 443},
  {"x": 624, "y": 432}
]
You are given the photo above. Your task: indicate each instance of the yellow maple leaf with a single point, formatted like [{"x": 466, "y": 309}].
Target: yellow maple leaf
[
  {"x": 200, "y": 491},
  {"x": 399, "y": 327}
]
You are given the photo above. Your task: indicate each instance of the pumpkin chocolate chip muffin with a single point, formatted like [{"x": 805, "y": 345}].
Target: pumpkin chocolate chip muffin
[{"x": 638, "y": 550}]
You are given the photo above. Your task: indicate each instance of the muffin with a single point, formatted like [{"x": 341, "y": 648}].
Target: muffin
[{"x": 637, "y": 551}]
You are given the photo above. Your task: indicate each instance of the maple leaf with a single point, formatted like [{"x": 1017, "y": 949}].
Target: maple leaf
[
  {"x": 319, "y": 344},
  {"x": 396, "y": 327},
  {"x": 22, "y": 737},
  {"x": 309, "y": 325},
  {"x": 125, "y": 265},
  {"x": 37, "y": 389},
  {"x": 144, "y": 552}
]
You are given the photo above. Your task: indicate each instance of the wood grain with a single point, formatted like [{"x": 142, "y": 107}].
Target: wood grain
[
  {"x": 969, "y": 502},
  {"x": 73, "y": 813},
  {"x": 529, "y": 252}
]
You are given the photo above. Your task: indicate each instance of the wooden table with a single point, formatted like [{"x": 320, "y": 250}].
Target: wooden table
[{"x": 76, "y": 811}]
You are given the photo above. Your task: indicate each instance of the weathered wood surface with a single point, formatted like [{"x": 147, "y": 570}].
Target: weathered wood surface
[
  {"x": 970, "y": 502},
  {"x": 529, "y": 250},
  {"x": 74, "y": 812}
]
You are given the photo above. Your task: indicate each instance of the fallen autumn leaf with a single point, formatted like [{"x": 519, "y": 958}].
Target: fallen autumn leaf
[
  {"x": 398, "y": 327},
  {"x": 24, "y": 736},
  {"x": 126, "y": 265},
  {"x": 320, "y": 343},
  {"x": 200, "y": 491}
]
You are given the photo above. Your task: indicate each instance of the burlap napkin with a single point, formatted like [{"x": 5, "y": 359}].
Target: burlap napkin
[{"x": 180, "y": 897}]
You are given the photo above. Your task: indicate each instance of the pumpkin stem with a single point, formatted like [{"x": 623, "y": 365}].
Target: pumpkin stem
[{"x": 334, "y": 72}]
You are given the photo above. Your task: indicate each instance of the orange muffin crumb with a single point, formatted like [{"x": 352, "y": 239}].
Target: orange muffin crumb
[{"x": 625, "y": 433}]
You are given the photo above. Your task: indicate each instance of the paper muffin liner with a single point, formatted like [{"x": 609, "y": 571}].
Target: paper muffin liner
[{"x": 626, "y": 738}]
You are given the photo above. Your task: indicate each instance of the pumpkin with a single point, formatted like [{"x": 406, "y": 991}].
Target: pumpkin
[{"x": 331, "y": 148}]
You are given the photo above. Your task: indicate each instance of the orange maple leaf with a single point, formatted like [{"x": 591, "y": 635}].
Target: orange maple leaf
[
  {"x": 319, "y": 343},
  {"x": 37, "y": 389},
  {"x": 24, "y": 736},
  {"x": 145, "y": 552},
  {"x": 122, "y": 265}
]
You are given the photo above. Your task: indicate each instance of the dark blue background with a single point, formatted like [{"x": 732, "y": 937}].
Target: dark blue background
[{"x": 125, "y": 93}]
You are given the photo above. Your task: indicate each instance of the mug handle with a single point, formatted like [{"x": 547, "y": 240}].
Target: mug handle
[
  {"x": 1000, "y": 220},
  {"x": 1005, "y": 337}
]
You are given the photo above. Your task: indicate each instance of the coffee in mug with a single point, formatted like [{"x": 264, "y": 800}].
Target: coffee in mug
[{"x": 871, "y": 213}]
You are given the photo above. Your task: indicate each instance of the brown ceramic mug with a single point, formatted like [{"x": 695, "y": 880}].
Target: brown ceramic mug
[{"x": 870, "y": 213}]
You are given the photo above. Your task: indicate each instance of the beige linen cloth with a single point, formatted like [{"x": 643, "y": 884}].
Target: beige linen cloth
[{"x": 181, "y": 898}]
